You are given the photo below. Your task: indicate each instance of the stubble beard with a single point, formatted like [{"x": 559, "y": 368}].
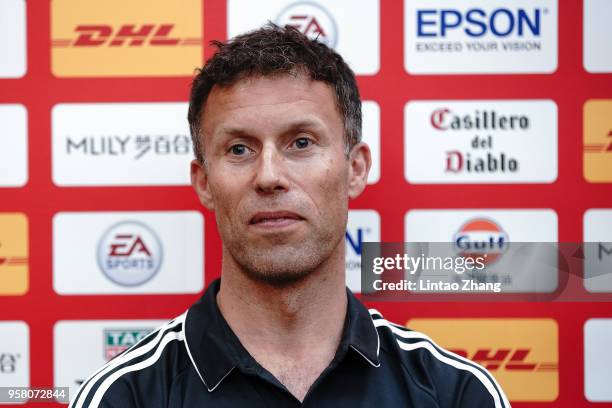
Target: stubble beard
[{"x": 286, "y": 263}]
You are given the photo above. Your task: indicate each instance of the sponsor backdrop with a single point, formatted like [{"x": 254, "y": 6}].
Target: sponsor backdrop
[{"x": 489, "y": 122}]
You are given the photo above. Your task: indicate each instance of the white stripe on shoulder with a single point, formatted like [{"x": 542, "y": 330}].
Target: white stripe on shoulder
[
  {"x": 488, "y": 381},
  {"x": 135, "y": 367},
  {"x": 135, "y": 351},
  {"x": 485, "y": 381}
]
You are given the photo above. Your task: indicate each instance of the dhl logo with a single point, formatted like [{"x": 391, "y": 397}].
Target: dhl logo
[
  {"x": 132, "y": 35},
  {"x": 506, "y": 359},
  {"x": 597, "y": 137},
  {"x": 115, "y": 38},
  {"x": 14, "y": 254},
  {"x": 521, "y": 353},
  {"x": 599, "y": 147},
  {"x": 12, "y": 261}
]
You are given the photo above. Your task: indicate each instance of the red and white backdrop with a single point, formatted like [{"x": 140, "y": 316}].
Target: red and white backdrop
[{"x": 485, "y": 118}]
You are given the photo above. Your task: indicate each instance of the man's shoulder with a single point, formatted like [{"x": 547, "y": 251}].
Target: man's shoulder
[
  {"x": 435, "y": 370},
  {"x": 139, "y": 374}
]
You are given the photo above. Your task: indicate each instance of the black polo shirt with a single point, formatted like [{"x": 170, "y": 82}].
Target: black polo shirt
[{"x": 196, "y": 360}]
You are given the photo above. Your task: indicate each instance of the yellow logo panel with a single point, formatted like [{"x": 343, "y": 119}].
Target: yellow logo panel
[
  {"x": 114, "y": 38},
  {"x": 598, "y": 141},
  {"x": 522, "y": 354},
  {"x": 13, "y": 254}
]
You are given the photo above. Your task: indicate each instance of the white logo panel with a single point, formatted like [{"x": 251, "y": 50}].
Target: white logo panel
[
  {"x": 14, "y": 354},
  {"x": 480, "y": 141},
  {"x": 13, "y": 145},
  {"x": 352, "y": 27},
  {"x": 371, "y": 135},
  {"x": 598, "y": 360},
  {"x": 597, "y": 31},
  {"x": 529, "y": 225},
  {"x": 362, "y": 226},
  {"x": 12, "y": 38},
  {"x": 499, "y": 236},
  {"x": 121, "y": 144},
  {"x": 128, "y": 252},
  {"x": 597, "y": 225},
  {"x": 480, "y": 37},
  {"x": 81, "y": 347}
]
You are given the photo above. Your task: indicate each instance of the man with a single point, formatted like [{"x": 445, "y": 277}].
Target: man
[{"x": 276, "y": 126}]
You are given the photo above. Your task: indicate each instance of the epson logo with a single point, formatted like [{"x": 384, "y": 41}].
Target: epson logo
[
  {"x": 355, "y": 241},
  {"x": 362, "y": 226},
  {"x": 477, "y": 22},
  {"x": 480, "y": 36}
]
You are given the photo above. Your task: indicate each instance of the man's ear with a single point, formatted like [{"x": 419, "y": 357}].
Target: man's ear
[
  {"x": 360, "y": 161},
  {"x": 199, "y": 181}
]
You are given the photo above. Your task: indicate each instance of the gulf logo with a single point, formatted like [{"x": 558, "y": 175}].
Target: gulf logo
[{"x": 481, "y": 237}]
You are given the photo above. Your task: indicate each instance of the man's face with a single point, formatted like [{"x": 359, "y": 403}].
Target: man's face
[{"x": 277, "y": 175}]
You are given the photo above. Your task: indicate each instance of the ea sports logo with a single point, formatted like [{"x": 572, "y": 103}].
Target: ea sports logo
[
  {"x": 312, "y": 20},
  {"x": 481, "y": 237},
  {"x": 129, "y": 253}
]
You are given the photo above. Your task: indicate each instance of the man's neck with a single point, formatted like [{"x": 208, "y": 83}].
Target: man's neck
[{"x": 287, "y": 327}]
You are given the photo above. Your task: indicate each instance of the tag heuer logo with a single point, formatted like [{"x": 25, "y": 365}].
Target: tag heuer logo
[{"x": 118, "y": 340}]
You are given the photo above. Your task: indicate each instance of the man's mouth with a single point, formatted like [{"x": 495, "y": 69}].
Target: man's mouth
[{"x": 275, "y": 218}]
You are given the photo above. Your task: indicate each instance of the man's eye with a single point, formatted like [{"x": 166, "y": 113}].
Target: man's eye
[
  {"x": 238, "y": 149},
  {"x": 302, "y": 142}
]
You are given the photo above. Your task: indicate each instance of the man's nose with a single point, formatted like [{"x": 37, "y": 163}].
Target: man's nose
[{"x": 271, "y": 174}]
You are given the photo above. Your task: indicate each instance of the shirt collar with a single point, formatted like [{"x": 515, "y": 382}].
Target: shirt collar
[
  {"x": 361, "y": 333},
  {"x": 215, "y": 350}
]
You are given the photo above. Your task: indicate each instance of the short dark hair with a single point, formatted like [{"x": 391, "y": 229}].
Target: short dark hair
[{"x": 273, "y": 50}]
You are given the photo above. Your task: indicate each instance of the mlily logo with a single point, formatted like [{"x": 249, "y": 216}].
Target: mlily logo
[
  {"x": 133, "y": 35},
  {"x": 506, "y": 359},
  {"x": 600, "y": 147}
]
